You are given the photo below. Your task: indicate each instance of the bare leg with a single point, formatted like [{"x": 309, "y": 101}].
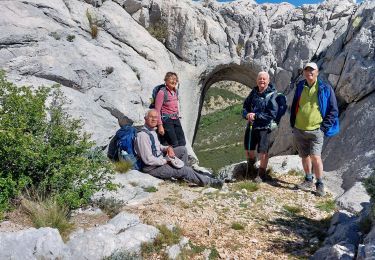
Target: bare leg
[
  {"x": 306, "y": 164},
  {"x": 317, "y": 165},
  {"x": 263, "y": 160}
]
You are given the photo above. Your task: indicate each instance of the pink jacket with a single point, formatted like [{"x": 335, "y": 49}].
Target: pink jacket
[{"x": 169, "y": 107}]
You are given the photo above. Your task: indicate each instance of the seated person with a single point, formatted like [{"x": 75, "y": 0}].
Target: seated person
[{"x": 160, "y": 161}]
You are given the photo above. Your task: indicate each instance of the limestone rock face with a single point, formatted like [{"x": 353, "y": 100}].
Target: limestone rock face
[
  {"x": 112, "y": 74},
  {"x": 42, "y": 243}
]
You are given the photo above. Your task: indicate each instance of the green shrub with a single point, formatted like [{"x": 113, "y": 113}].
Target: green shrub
[
  {"x": 41, "y": 146},
  {"x": 292, "y": 209},
  {"x": 369, "y": 184},
  {"x": 327, "y": 205},
  {"x": 247, "y": 185},
  {"x": 70, "y": 37},
  {"x": 150, "y": 189},
  {"x": 166, "y": 237},
  {"x": 237, "y": 226},
  {"x": 122, "y": 166},
  {"x": 159, "y": 31}
]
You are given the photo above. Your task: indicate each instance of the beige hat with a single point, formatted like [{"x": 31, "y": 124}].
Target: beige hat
[
  {"x": 311, "y": 65},
  {"x": 175, "y": 161}
]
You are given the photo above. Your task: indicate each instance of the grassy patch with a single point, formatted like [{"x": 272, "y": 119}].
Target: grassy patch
[
  {"x": 166, "y": 237},
  {"x": 292, "y": 209},
  {"x": 122, "y": 166},
  {"x": 122, "y": 255},
  {"x": 214, "y": 254},
  {"x": 216, "y": 148},
  {"x": 48, "y": 213},
  {"x": 216, "y": 92},
  {"x": 239, "y": 48},
  {"x": 237, "y": 226},
  {"x": 294, "y": 172},
  {"x": 244, "y": 205},
  {"x": 150, "y": 189},
  {"x": 247, "y": 185},
  {"x": 327, "y": 205},
  {"x": 110, "y": 206}
]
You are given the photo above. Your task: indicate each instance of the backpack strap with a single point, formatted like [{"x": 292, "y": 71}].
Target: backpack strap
[
  {"x": 269, "y": 95},
  {"x": 153, "y": 146},
  {"x": 165, "y": 93},
  {"x": 164, "y": 88}
]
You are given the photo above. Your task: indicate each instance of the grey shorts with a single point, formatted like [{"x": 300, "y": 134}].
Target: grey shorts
[{"x": 308, "y": 142}]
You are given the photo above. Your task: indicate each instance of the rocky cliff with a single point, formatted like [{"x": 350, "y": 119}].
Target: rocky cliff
[{"x": 106, "y": 57}]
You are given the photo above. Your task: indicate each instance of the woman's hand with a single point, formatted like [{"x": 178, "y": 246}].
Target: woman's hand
[
  {"x": 161, "y": 129},
  {"x": 250, "y": 117}
]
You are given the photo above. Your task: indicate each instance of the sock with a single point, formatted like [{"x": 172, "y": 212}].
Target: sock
[
  {"x": 309, "y": 177},
  {"x": 319, "y": 180}
]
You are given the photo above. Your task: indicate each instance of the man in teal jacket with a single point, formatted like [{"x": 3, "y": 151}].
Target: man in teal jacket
[{"x": 314, "y": 114}]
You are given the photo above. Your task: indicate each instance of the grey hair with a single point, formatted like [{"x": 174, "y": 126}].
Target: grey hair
[
  {"x": 149, "y": 111},
  {"x": 263, "y": 72}
]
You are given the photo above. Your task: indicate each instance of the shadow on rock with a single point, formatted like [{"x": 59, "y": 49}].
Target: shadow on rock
[{"x": 301, "y": 236}]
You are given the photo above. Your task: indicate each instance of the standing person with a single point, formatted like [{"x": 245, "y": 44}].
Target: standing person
[
  {"x": 169, "y": 125},
  {"x": 161, "y": 161},
  {"x": 314, "y": 113},
  {"x": 259, "y": 109}
]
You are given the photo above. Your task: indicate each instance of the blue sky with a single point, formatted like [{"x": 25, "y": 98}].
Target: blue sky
[{"x": 293, "y": 2}]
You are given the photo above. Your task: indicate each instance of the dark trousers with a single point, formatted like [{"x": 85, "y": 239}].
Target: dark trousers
[
  {"x": 174, "y": 135},
  {"x": 167, "y": 171}
]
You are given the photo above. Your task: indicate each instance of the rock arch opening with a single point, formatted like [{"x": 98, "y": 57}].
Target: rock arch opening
[{"x": 219, "y": 129}]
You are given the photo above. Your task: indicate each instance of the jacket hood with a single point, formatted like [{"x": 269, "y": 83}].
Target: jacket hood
[{"x": 269, "y": 89}]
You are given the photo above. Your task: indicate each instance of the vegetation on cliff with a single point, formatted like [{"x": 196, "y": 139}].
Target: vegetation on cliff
[{"x": 43, "y": 149}]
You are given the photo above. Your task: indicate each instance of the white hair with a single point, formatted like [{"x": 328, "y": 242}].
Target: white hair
[
  {"x": 149, "y": 111},
  {"x": 263, "y": 73}
]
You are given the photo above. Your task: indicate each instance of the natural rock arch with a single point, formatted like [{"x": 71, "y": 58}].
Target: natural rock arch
[{"x": 243, "y": 74}]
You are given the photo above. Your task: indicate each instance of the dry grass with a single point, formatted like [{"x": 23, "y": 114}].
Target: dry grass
[
  {"x": 93, "y": 23},
  {"x": 48, "y": 213}
]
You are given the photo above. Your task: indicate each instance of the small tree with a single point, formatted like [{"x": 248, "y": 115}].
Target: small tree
[
  {"x": 42, "y": 147},
  {"x": 369, "y": 184}
]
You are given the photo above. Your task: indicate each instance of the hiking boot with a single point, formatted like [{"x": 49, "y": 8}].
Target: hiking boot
[
  {"x": 267, "y": 177},
  {"x": 258, "y": 179},
  {"x": 320, "y": 189},
  {"x": 306, "y": 185},
  {"x": 217, "y": 184},
  {"x": 250, "y": 169}
]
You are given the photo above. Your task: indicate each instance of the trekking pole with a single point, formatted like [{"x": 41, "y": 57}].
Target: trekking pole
[{"x": 248, "y": 149}]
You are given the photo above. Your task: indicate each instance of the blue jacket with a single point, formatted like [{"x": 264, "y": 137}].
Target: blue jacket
[
  {"x": 256, "y": 103},
  {"x": 327, "y": 106}
]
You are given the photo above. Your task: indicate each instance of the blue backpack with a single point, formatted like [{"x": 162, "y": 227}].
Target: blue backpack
[
  {"x": 155, "y": 92},
  {"x": 282, "y": 106},
  {"x": 126, "y": 136}
]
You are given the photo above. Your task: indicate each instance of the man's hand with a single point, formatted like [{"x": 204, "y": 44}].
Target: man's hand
[
  {"x": 250, "y": 117},
  {"x": 170, "y": 152},
  {"x": 161, "y": 129}
]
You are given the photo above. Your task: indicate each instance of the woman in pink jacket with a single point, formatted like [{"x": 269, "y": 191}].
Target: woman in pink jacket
[{"x": 166, "y": 103}]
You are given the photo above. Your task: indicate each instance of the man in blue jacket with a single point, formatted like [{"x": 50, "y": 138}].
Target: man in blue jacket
[
  {"x": 314, "y": 114},
  {"x": 259, "y": 109}
]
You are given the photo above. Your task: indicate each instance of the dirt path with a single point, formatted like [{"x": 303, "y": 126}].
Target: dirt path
[{"x": 278, "y": 221}]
